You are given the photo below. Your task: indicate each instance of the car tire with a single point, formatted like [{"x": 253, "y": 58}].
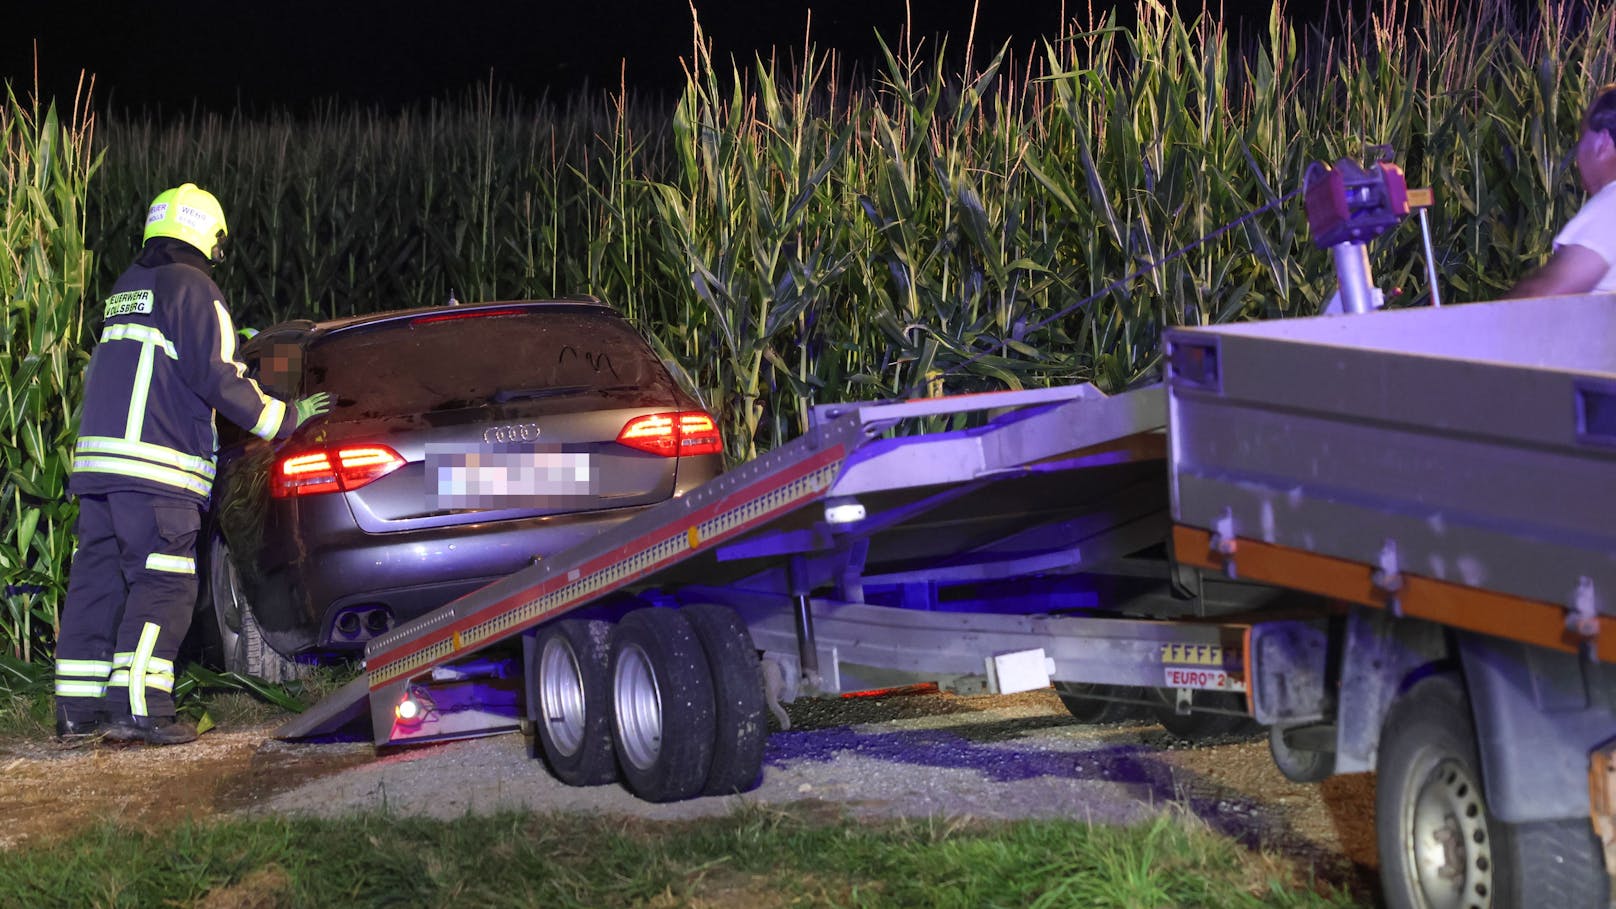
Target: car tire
[
  {"x": 663, "y": 716},
  {"x": 1200, "y": 725},
  {"x": 235, "y": 637},
  {"x": 1084, "y": 703},
  {"x": 741, "y": 721},
  {"x": 570, "y": 688},
  {"x": 1438, "y": 842}
]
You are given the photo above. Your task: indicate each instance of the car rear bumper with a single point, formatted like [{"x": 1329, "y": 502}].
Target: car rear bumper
[{"x": 404, "y": 575}]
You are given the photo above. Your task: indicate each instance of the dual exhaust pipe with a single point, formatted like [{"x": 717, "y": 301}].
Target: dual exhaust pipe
[{"x": 357, "y": 624}]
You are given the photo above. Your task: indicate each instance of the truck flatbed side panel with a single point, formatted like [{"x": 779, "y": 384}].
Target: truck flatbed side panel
[{"x": 1471, "y": 445}]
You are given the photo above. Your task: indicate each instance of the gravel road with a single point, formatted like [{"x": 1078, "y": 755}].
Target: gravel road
[{"x": 925, "y": 755}]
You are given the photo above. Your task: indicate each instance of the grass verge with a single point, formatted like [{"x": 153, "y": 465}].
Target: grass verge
[
  {"x": 758, "y": 858},
  {"x": 210, "y": 698}
]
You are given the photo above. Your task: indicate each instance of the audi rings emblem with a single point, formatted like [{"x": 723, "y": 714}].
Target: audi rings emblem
[{"x": 515, "y": 432}]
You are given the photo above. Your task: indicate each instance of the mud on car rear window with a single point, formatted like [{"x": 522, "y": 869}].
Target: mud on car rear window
[{"x": 432, "y": 363}]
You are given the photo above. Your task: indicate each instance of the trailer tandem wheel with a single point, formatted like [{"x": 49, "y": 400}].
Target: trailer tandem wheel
[
  {"x": 570, "y": 688},
  {"x": 740, "y": 723},
  {"x": 663, "y": 717},
  {"x": 1439, "y": 845},
  {"x": 1087, "y": 702},
  {"x": 1201, "y": 724},
  {"x": 1299, "y": 763}
]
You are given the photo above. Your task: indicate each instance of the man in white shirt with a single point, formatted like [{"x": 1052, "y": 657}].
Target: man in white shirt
[{"x": 1584, "y": 256}]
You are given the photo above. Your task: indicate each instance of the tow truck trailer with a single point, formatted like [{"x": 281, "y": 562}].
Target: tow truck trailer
[{"x": 1386, "y": 536}]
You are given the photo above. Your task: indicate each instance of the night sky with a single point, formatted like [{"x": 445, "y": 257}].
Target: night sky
[{"x": 289, "y": 54}]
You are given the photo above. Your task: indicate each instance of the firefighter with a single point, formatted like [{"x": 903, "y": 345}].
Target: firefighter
[{"x": 142, "y": 471}]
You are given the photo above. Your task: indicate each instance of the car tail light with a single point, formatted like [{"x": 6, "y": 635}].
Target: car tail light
[
  {"x": 690, "y": 432},
  {"x": 342, "y": 469},
  {"x": 469, "y": 314}
]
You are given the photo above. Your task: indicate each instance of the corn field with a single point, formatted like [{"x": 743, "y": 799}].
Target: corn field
[
  {"x": 44, "y": 281},
  {"x": 790, "y": 233}
]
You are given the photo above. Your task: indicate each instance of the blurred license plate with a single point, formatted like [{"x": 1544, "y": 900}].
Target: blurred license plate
[{"x": 504, "y": 477}]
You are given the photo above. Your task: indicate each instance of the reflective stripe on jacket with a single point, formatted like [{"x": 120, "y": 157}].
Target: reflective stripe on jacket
[{"x": 165, "y": 363}]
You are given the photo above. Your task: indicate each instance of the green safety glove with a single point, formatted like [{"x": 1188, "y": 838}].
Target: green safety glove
[{"x": 312, "y": 406}]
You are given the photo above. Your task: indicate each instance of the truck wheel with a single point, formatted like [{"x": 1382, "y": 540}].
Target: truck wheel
[
  {"x": 1439, "y": 845},
  {"x": 1083, "y": 702},
  {"x": 569, "y": 684},
  {"x": 234, "y": 637},
  {"x": 663, "y": 716},
  {"x": 1299, "y": 765},
  {"x": 742, "y": 728},
  {"x": 1193, "y": 727}
]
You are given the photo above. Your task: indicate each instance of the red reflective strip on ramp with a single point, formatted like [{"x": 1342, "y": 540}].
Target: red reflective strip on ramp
[{"x": 383, "y": 669}]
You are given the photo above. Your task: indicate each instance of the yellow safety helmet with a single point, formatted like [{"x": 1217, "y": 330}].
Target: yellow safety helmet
[{"x": 190, "y": 214}]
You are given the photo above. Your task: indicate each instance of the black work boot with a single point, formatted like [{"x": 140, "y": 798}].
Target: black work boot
[
  {"x": 81, "y": 726},
  {"x": 153, "y": 730}
]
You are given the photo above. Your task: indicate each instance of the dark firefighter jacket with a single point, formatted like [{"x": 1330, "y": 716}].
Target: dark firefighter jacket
[{"x": 165, "y": 363}]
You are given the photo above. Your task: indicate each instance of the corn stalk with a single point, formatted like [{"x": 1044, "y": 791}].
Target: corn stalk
[{"x": 43, "y": 283}]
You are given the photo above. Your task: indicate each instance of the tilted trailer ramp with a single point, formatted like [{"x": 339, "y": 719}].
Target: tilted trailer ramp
[
  {"x": 1447, "y": 479},
  {"x": 858, "y": 557}
]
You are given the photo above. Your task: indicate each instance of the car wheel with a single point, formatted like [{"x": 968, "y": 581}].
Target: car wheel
[
  {"x": 663, "y": 716},
  {"x": 238, "y": 638},
  {"x": 741, "y": 724},
  {"x": 1199, "y": 725},
  {"x": 569, "y": 684},
  {"x": 1439, "y": 845},
  {"x": 1086, "y": 704}
]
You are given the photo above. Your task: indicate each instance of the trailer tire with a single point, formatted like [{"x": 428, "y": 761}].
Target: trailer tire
[
  {"x": 1299, "y": 765},
  {"x": 1082, "y": 703},
  {"x": 1199, "y": 725},
  {"x": 663, "y": 716},
  {"x": 741, "y": 722},
  {"x": 570, "y": 687},
  {"x": 1432, "y": 822}
]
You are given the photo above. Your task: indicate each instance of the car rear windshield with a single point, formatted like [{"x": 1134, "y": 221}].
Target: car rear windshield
[{"x": 456, "y": 360}]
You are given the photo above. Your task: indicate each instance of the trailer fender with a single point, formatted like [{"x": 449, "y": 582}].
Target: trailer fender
[
  {"x": 1539, "y": 715},
  {"x": 1382, "y": 656}
]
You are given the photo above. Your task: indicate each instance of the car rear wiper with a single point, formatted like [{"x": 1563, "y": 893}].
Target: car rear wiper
[
  {"x": 505, "y": 395},
  {"x": 545, "y": 391}
]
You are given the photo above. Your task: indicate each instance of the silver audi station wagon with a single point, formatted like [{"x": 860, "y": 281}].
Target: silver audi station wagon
[{"x": 464, "y": 442}]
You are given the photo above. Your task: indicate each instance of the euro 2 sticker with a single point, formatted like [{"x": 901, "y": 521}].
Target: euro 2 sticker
[{"x": 130, "y": 302}]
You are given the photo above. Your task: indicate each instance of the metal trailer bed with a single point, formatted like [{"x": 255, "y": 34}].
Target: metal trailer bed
[{"x": 860, "y": 557}]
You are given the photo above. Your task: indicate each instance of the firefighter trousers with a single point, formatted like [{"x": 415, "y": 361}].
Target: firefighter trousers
[{"x": 129, "y": 602}]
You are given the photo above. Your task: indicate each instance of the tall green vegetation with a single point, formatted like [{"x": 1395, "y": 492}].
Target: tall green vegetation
[
  {"x": 795, "y": 232},
  {"x": 44, "y": 279}
]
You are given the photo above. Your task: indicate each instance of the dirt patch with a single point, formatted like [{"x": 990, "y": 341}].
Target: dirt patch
[
  {"x": 266, "y": 888},
  {"x": 1330, "y": 825},
  {"x": 725, "y": 889},
  {"x": 49, "y": 791}
]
